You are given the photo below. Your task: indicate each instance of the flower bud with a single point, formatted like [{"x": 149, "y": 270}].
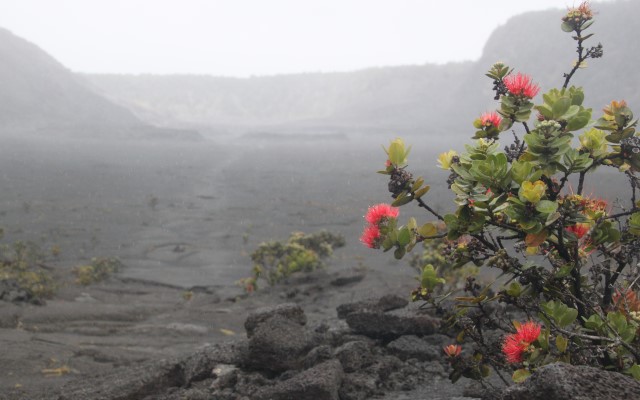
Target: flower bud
[{"x": 532, "y": 191}]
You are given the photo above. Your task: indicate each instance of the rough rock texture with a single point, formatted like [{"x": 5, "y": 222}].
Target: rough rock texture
[
  {"x": 284, "y": 359},
  {"x": 411, "y": 346},
  {"x": 290, "y": 311},
  {"x": 321, "y": 382},
  {"x": 390, "y": 325},
  {"x": 278, "y": 344},
  {"x": 354, "y": 356},
  {"x": 135, "y": 383},
  {"x": 563, "y": 381},
  {"x": 387, "y": 302},
  {"x": 153, "y": 378}
]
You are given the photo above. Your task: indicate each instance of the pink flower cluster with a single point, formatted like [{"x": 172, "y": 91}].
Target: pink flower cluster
[
  {"x": 376, "y": 216},
  {"x": 490, "y": 119},
  {"x": 516, "y": 344},
  {"x": 521, "y": 85}
]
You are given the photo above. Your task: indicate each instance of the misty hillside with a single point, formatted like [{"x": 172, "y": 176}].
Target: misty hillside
[
  {"x": 37, "y": 92},
  {"x": 425, "y": 98},
  {"x": 370, "y": 97},
  {"x": 534, "y": 43}
]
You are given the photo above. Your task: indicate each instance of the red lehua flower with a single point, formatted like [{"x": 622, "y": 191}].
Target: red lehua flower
[
  {"x": 521, "y": 85},
  {"x": 513, "y": 349},
  {"x": 516, "y": 344},
  {"x": 490, "y": 119},
  {"x": 370, "y": 236},
  {"x": 529, "y": 332},
  {"x": 579, "y": 230},
  {"x": 377, "y": 213},
  {"x": 452, "y": 350}
]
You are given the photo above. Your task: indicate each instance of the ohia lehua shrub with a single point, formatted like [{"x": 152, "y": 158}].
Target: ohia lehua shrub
[{"x": 567, "y": 262}]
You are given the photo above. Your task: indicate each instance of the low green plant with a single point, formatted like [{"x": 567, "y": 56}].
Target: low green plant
[
  {"x": 98, "y": 270},
  {"x": 569, "y": 262},
  {"x": 275, "y": 261},
  {"x": 437, "y": 279},
  {"x": 23, "y": 277}
]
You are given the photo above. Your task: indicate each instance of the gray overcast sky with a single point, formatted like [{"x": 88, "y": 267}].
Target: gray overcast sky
[{"x": 259, "y": 37}]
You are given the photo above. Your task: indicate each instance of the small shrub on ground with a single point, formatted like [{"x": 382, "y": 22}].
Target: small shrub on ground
[
  {"x": 98, "y": 270},
  {"x": 275, "y": 261},
  {"x": 22, "y": 275},
  {"x": 569, "y": 261},
  {"x": 435, "y": 262}
]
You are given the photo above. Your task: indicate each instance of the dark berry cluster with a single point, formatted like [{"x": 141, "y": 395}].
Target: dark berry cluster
[{"x": 399, "y": 181}]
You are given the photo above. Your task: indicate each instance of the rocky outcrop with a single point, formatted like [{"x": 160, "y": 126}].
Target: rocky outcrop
[
  {"x": 561, "y": 381},
  {"x": 279, "y": 344},
  {"x": 284, "y": 358},
  {"x": 290, "y": 311},
  {"x": 391, "y": 325},
  {"x": 321, "y": 382}
]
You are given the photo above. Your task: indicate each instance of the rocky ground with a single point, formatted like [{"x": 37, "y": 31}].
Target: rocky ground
[
  {"x": 382, "y": 348},
  {"x": 133, "y": 340},
  {"x": 183, "y": 218}
]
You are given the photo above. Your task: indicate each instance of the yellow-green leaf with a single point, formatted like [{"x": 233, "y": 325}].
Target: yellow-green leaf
[
  {"x": 427, "y": 230},
  {"x": 520, "y": 375},
  {"x": 422, "y": 191},
  {"x": 562, "y": 343}
]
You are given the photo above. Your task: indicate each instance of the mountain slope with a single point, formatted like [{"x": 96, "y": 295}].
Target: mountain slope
[
  {"x": 368, "y": 97},
  {"x": 37, "y": 92},
  {"x": 426, "y": 98},
  {"x": 533, "y": 43}
]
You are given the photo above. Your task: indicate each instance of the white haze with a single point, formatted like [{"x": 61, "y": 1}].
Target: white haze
[{"x": 258, "y": 37}]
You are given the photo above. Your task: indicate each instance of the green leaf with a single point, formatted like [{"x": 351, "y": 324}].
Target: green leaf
[
  {"x": 560, "y": 312},
  {"x": 543, "y": 339},
  {"x": 514, "y": 290},
  {"x": 577, "y": 122},
  {"x": 422, "y": 191},
  {"x": 560, "y": 107},
  {"x": 429, "y": 278},
  {"x": 427, "y": 230},
  {"x": 404, "y": 237},
  {"x": 520, "y": 375},
  {"x": 552, "y": 218},
  {"x": 564, "y": 271},
  {"x": 577, "y": 96},
  {"x": 567, "y": 317},
  {"x": 399, "y": 253},
  {"x": 417, "y": 184},
  {"x": 562, "y": 343},
  {"x": 594, "y": 322},
  {"x": 402, "y": 200},
  {"x": 566, "y": 27},
  {"x": 634, "y": 371},
  {"x": 397, "y": 152},
  {"x": 505, "y": 124},
  {"x": 634, "y": 224},
  {"x": 546, "y": 206}
]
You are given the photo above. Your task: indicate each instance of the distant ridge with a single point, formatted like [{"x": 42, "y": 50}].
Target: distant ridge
[
  {"x": 37, "y": 92},
  {"x": 39, "y": 95},
  {"x": 425, "y": 98}
]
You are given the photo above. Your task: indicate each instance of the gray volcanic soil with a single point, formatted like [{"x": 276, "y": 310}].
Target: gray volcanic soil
[{"x": 217, "y": 199}]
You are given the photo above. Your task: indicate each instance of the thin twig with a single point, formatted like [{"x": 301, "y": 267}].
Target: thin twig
[{"x": 424, "y": 205}]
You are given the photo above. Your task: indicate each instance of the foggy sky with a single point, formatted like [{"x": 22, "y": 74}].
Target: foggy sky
[{"x": 258, "y": 37}]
